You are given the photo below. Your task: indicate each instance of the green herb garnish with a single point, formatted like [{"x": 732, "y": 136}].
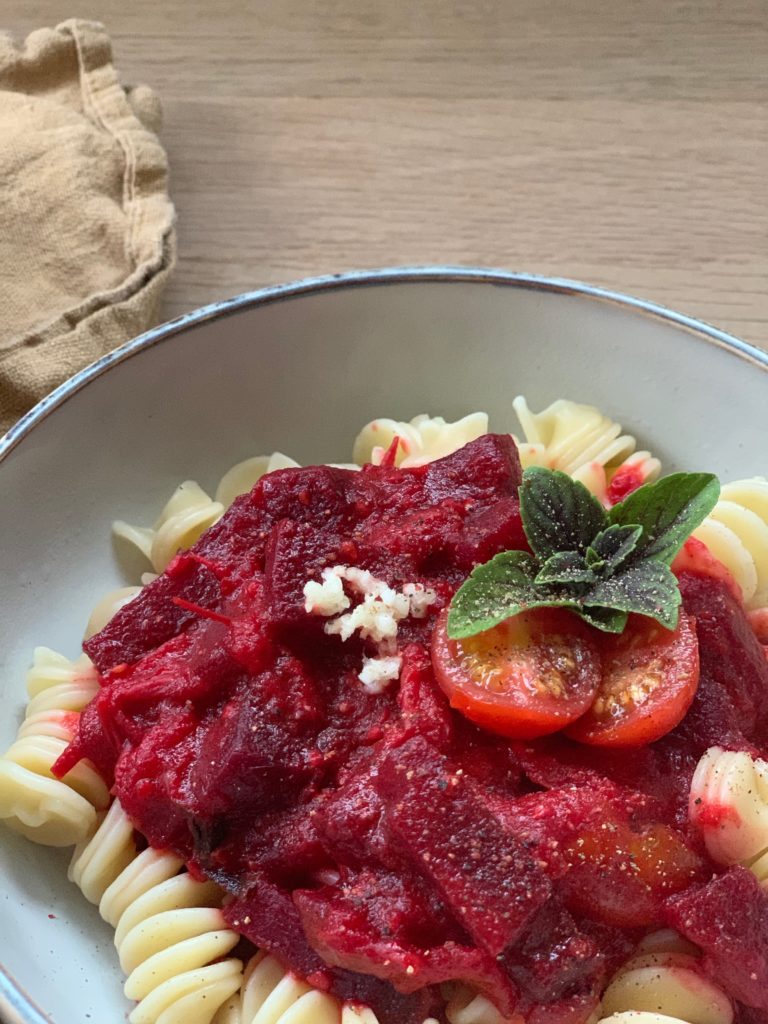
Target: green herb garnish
[{"x": 602, "y": 564}]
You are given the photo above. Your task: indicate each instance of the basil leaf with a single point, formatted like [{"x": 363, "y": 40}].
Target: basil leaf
[
  {"x": 668, "y": 511},
  {"x": 558, "y": 513},
  {"x": 648, "y": 588},
  {"x": 612, "y": 547},
  {"x": 610, "y": 620},
  {"x": 565, "y": 567},
  {"x": 503, "y": 587}
]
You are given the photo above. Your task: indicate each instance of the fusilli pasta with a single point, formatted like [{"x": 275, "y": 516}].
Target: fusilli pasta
[
  {"x": 422, "y": 440},
  {"x": 669, "y": 984},
  {"x": 272, "y": 995},
  {"x": 170, "y": 933},
  {"x": 188, "y": 513},
  {"x": 51, "y": 811},
  {"x": 729, "y": 804},
  {"x": 581, "y": 441},
  {"x": 736, "y": 532},
  {"x": 242, "y": 477}
]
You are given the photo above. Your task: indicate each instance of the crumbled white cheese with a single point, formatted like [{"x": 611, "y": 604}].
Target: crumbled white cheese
[
  {"x": 377, "y": 673},
  {"x": 375, "y": 618},
  {"x": 420, "y": 598},
  {"x": 326, "y": 598}
]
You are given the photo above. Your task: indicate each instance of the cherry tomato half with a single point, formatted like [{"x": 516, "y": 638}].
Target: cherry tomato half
[
  {"x": 650, "y": 677},
  {"x": 532, "y": 675},
  {"x": 621, "y": 876}
]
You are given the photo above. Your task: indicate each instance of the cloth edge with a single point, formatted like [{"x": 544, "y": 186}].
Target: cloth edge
[{"x": 148, "y": 162}]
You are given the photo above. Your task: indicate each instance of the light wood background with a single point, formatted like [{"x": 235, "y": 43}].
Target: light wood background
[{"x": 621, "y": 142}]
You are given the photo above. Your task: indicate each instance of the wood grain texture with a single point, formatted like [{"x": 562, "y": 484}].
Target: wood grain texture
[{"x": 624, "y": 144}]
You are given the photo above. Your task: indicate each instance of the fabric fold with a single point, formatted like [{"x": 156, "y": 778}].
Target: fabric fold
[{"x": 87, "y": 237}]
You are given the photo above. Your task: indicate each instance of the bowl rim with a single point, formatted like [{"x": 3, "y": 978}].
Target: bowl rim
[
  {"x": 362, "y": 279},
  {"x": 16, "y": 1005}
]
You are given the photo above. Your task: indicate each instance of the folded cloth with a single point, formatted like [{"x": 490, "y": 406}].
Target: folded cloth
[{"x": 86, "y": 226}]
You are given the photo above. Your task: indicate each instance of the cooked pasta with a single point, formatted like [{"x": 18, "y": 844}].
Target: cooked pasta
[
  {"x": 729, "y": 803},
  {"x": 54, "y": 812},
  {"x": 424, "y": 439},
  {"x": 188, "y": 513},
  {"x": 736, "y": 532},
  {"x": 242, "y": 477},
  {"x": 272, "y": 995},
  {"x": 669, "y": 984},
  {"x": 581, "y": 441},
  {"x": 170, "y": 933},
  {"x": 465, "y": 1006}
]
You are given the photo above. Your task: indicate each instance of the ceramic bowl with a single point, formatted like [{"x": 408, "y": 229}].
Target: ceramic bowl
[{"x": 300, "y": 369}]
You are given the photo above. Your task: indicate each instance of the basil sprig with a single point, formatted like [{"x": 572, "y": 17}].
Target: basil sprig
[{"x": 602, "y": 564}]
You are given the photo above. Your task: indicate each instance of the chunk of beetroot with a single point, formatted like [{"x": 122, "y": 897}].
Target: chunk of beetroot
[
  {"x": 728, "y": 919},
  {"x": 552, "y": 959},
  {"x": 488, "y": 467},
  {"x": 152, "y": 617},
  {"x": 387, "y": 925},
  {"x": 729, "y": 650},
  {"x": 423, "y": 705},
  {"x": 149, "y": 781},
  {"x": 489, "y": 881},
  {"x": 296, "y": 552},
  {"x": 254, "y": 914},
  {"x": 252, "y": 753},
  {"x": 484, "y": 757},
  {"x": 489, "y": 530},
  {"x": 391, "y": 1006}
]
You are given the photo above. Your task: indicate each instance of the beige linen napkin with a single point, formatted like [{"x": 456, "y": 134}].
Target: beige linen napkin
[{"x": 86, "y": 225}]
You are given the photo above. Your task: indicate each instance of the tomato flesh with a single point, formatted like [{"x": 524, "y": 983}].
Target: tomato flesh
[
  {"x": 649, "y": 679},
  {"x": 532, "y": 675},
  {"x": 620, "y": 876}
]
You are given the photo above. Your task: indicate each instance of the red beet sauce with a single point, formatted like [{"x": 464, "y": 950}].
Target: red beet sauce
[{"x": 380, "y": 844}]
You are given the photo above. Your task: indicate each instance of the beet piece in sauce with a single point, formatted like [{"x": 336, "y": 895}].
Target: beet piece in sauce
[
  {"x": 437, "y": 813},
  {"x": 728, "y": 919}
]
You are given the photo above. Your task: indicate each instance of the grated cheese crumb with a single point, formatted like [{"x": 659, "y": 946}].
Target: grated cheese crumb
[
  {"x": 375, "y": 618},
  {"x": 326, "y": 598},
  {"x": 377, "y": 673}
]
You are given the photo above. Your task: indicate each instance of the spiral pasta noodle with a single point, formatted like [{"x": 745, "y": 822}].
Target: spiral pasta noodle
[
  {"x": 51, "y": 811},
  {"x": 664, "y": 985},
  {"x": 170, "y": 933},
  {"x": 729, "y": 805},
  {"x": 242, "y": 477},
  {"x": 736, "y": 532},
  {"x": 187, "y": 514},
  {"x": 190, "y": 511},
  {"x": 272, "y": 995},
  {"x": 581, "y": 441},
  {"x": 422, "y": 440}
]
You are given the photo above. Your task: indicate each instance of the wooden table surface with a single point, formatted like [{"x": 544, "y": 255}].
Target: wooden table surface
[{"x": 620, "y": 143}]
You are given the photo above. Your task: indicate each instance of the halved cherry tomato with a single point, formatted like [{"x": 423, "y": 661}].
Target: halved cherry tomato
[
  {"x": 650, "y": 677},
  {"x": 620, "y": 876},
  {"x": 529, "y": 676}
]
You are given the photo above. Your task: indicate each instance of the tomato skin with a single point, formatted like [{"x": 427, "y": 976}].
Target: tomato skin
[
  {"x": 620, "y": 876},
  {"x": 530, "y": 676},
  {"x": 650, "y": 677}
]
